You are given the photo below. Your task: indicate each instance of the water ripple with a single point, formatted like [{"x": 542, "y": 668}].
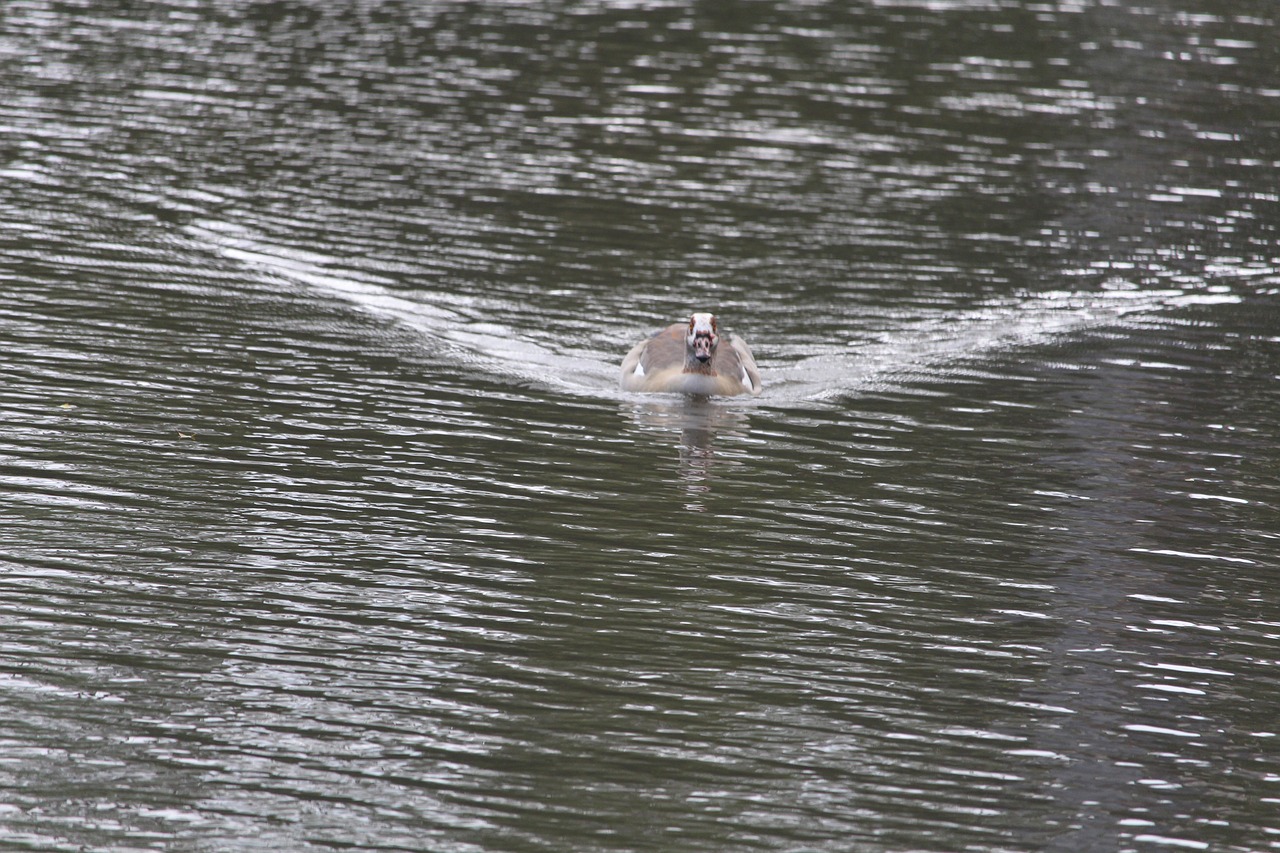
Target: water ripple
[{"x": 323, "y": 521}]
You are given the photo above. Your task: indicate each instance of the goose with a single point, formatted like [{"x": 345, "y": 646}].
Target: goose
[{"x": 692, "y": 358}]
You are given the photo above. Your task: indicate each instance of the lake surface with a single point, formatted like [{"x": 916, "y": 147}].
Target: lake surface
[{"x": 324, "y": 524}]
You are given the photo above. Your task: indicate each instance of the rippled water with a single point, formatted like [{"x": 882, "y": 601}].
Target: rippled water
[{"x": 323, "y": 523}]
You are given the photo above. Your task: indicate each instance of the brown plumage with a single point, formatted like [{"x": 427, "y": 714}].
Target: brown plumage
[{"x": 692, "y": 358}]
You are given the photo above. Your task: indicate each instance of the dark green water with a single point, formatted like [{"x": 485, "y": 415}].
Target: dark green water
[{"x": 323, "y": 523}]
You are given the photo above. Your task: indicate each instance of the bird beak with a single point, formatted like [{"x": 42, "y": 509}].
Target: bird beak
[{"x": 703, "y": 340}]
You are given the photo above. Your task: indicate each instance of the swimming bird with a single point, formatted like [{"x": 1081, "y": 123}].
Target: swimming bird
[{"x": 692, "y": 358}]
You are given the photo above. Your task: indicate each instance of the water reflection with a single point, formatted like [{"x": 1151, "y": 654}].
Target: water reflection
[
  {"x": 324, "y": 522},
  {"x": 703, "y": 426}
]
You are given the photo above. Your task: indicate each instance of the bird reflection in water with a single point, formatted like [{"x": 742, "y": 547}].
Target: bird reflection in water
[{"x": 700, "y": 422}]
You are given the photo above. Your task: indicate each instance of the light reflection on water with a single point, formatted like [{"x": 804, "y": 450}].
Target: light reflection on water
[
  {"x": 324, "y": 522},
  {"x": 818, "y": 370}
]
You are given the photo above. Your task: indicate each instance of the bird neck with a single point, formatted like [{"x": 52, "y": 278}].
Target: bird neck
[{"x": 692, "y": 365}]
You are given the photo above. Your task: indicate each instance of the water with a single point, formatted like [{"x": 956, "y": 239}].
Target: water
[{"x": 324, "y": 524}]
